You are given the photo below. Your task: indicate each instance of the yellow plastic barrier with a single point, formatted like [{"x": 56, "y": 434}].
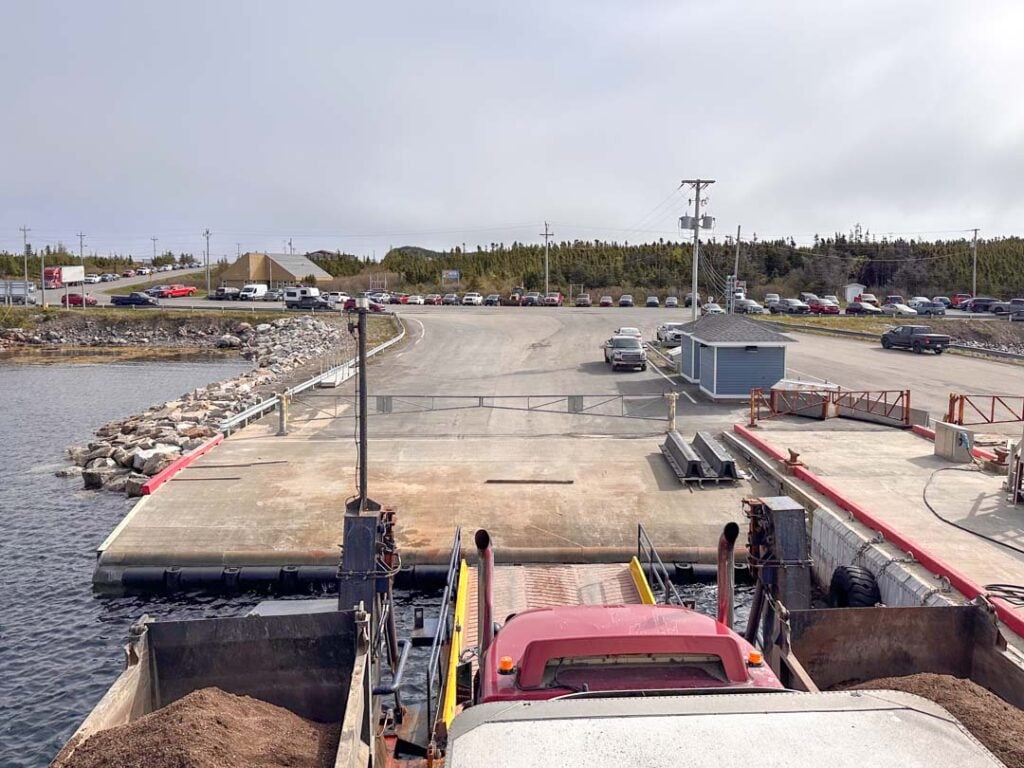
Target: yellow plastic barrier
[
  {"x": 640, "y": 580},
  {"x": 459, "y": 619}
]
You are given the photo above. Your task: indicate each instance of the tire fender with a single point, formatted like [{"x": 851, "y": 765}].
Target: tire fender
[{"x": 853, "y": 587}]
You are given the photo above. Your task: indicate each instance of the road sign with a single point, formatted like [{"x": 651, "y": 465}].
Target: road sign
[{"x": 450, "y": 274}]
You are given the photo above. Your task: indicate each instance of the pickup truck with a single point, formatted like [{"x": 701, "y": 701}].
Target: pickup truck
[
  {"x": 916, "y": 337},
  {"x": 1007, "y": 307},
  {"x": 134, "y": 300},
  {"x": 173, "y": 291}
]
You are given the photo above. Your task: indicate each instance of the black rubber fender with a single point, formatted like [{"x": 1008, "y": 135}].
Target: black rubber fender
[{"x": 853, "y": 587}]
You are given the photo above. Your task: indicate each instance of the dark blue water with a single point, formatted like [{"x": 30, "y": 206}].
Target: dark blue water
[{"x": 60, "y": 645}]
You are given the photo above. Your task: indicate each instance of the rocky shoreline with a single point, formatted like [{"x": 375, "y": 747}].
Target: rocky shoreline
[{"x": 127, "y": 452}]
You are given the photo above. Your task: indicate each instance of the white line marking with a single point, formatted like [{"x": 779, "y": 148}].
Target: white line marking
[
  {"x": 810, "y": 376},
  {"x": 423, "y": 331},
  {"x": 666, "y": 378},
  {"x": 689, "y": 397}
]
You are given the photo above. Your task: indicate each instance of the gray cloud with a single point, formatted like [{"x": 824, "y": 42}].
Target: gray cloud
[{"x": 361, "y": 127}]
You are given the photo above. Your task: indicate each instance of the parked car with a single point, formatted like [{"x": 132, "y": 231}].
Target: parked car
[
  {"x": 554, "y": 299},
  {"x": 628, "y": 330},
  {"x": 472, "y": 299},
  {"x": 304, "y": 297},
  {"x": 806, "y": 297},
  {"x": 916, "y": 337},
  {"x": 137, "y": 299},
  {"x": 665, "y": 329},
  {"x": 930, "y": 308},
  {"x": 688, "y": 300},
  {"x": 108, "y": 277},
  {"x": 1007, "y": 307},
  {"x": 582, "y": 300},
  {"x": 625, "y": 352},
  {"x": 894, "y": 299},
  {"x": 917, "y": 301},
  {"x": 450, "y": 299},
  {"x": 75, "y": 300},
  {"x": 897, "y": 309},
  {"x": 823, "y": 307},
  {"x": 532, "y": 299},
  {"x": 155, "y": 290},
  {"x": 493, "y": 300},
  {"x": 273, "y": 294},
  {"x": 143, "y": 271},
  {"x": 771, "y": 299},
  {"x": 980, "y": 304},
  {"x": 830, "y": 297},
  {"x": 176, "y": 290},
  {"x": 747, "y": 307},
  {"x": 91, "y": 278},
  {"x": 128, "y": 273},
  {"x": 862, "y": 308},
  {"x": 712, "y": 308},
  {"x": 226, "y": 293},
  {"x": 374, "y": 306},
  {"x": 333, "y": 297},
  {"x": 671, "y": 302},
  {"x": 868, "y": 298},
  {"x": 652, "y": 301},
  {"x": 791, "y": 307},
  {"x": 433, "y": 298},
  {"x": 626, "y": 300},
  {"x": 943, "y": 300},
  {"x": 958, "y": 299},
  {"x": 606, "y": 301}
]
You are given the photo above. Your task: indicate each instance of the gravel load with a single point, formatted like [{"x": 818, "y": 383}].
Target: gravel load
[
  {"x": 210, "y": 729},
  {"x": 993, "y": 722}
]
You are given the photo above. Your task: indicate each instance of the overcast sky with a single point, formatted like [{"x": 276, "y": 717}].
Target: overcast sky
[{"x": 364, "y": 125}]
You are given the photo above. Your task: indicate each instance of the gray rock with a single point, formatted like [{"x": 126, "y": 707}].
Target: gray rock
[
  {"x": 157, "y": 463},
  {"x": 133, "y": 484},
  {"x": 101, "y": 463},
  {"x": 263, "y": 328},
  {"x": 116, "y": 481},
  {"x": 103, "y": 452},
  {"x": 227, "y": 341},
  {"x": 93, "y": 479}
]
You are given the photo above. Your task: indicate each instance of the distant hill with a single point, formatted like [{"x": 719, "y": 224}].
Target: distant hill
[{"x": 905, "y": 266}]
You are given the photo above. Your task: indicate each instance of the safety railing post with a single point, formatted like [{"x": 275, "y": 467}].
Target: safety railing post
[
  {"x": 282, "y": 413},
  {"x": 673, "y": 398}
]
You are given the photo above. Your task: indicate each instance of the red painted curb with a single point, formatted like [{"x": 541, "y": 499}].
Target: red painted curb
[
  {"x": 179, "y": 464},
  {"x": 762, "y": 445},
  {"x": 923, "y": 431}
]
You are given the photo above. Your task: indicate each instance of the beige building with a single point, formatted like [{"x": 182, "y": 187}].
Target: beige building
[{"x": 272, "y": 269}]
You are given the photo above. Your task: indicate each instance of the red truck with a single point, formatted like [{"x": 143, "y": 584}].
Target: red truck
[{"x": 173, "y": 291}]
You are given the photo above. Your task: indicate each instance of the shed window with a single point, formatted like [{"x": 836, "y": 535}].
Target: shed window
[{"x": 751, "y": 349}]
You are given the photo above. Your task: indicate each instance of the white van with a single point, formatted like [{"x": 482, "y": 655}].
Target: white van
[{"x": 253, "y": 292}]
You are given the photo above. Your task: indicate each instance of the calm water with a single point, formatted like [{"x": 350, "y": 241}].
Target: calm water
[{"x": 59, "y": 645}]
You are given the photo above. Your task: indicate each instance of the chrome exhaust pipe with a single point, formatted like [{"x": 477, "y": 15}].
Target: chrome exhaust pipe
[
  {"x": 726, "y": 572},
  {"x": 484, "y": 591}
]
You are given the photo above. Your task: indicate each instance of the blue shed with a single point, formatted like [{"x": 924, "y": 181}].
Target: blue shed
[{"x": 728, "y": 355}]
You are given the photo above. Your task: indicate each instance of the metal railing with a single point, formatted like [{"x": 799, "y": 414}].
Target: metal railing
[
  {"x": 345, "y": 371},
  {"x": 824, "y": 403},
  {"x": 437, "y": 672},
  {"x": 985, "y": 409},
  {"x": 650, "y": 560}
]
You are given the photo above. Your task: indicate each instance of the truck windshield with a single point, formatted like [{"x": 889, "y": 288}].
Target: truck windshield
[{"x": 625, "y": 343}]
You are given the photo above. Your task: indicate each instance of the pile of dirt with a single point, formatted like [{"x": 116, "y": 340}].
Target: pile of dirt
[
  {"x": 211, "y": 729},
  {"x": 993, "y": 722}
]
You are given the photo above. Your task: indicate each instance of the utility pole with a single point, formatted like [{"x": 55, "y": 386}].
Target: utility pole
[
  {"x": 547, "y": 234},
  {"x": 206, "y": 234},
  {"x": 974, "y": 259},
  {"x": 736, "y": 266},
  {"x": 24, "y": 247},
  {"x": 697, "y": 184},
  {"x": 291, "y": 248},
  {"x": 154, "y": 249},
  {"x": 238, "y": 250},
  {"x": 81, "y": 248}
]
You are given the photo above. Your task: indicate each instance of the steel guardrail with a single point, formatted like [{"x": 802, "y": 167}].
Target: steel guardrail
[{"x": 349, "y": 367}]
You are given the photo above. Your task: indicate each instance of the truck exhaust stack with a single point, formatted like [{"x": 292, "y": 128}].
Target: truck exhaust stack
[
  {"x": 726, "y": 574},
  {"x": 485, "y": 582}
]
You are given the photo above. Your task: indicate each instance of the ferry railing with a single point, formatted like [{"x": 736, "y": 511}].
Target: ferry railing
[
  {"x": 437, "y": 673},
  {"x": 345, "y": 371},
  {"x": 650, "y": 560}
]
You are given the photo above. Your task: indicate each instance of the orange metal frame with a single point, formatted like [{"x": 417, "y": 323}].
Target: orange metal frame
[
  {"x": 984, "y": 409},
  {"x": 889, "y": 403}
]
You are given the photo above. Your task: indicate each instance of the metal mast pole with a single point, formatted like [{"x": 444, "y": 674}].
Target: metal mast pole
[
  {"x": 736, "y": 266},
  {"x": 81, "y": 258},
  {"x": 547, "y": 250},
  {"x": 154, "y": 249},
  {"x": 206, "y": 234},
  {"x": 974, "y": 259},
  {"x": 697, "y": 184},
  {"x": 24, "y": 248}
]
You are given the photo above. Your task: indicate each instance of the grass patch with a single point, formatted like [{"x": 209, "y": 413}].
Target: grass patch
[{"x": 198, "y": 279}]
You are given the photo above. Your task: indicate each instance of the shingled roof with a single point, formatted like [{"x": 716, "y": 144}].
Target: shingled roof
[{"x": 732, "y": 329}]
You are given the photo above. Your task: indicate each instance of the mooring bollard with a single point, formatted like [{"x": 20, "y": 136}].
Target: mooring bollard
[
  {"x": 673, "y": 398},
  {"x": 282, "y": 414}
]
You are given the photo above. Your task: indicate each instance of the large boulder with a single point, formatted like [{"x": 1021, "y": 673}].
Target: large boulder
[
  {"x": 157, "y": 463},
  {"x": 142, "y": 457},
  {"x": 101, "y": 463},
  {"x": 227, "y": 341},
  {"x": 116, "y": 481},
  {"x": 93, "y": 479},
  {"x": 133, "y": 484}
]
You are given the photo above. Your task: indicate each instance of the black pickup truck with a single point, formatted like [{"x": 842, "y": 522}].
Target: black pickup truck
[{"x": 916, "y": 337}]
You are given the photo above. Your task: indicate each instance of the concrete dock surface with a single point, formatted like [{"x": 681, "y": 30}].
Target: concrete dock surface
[
  {"x": 550, "y": 486},
  {"x": 886, "y": 471}
]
